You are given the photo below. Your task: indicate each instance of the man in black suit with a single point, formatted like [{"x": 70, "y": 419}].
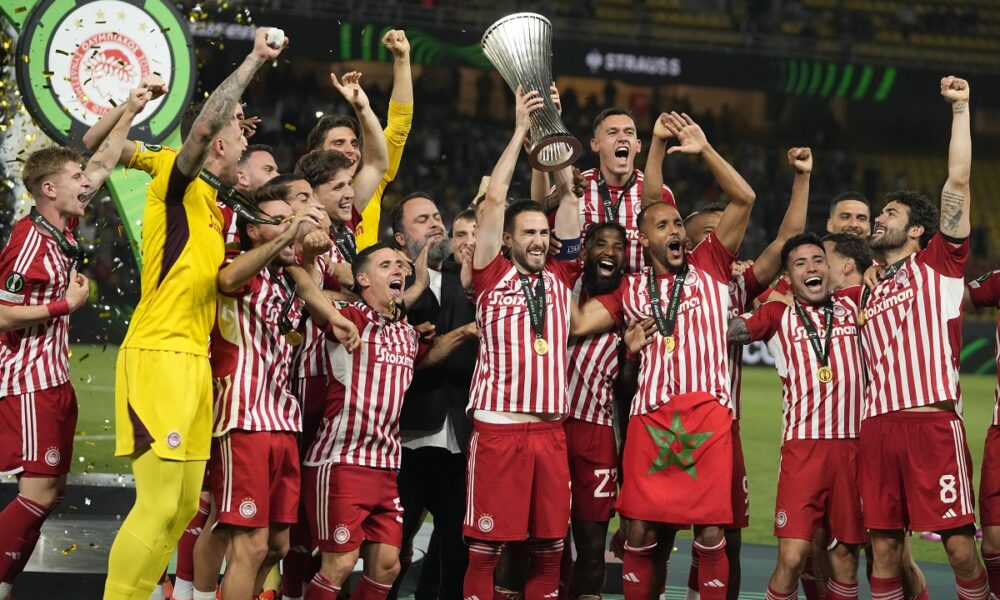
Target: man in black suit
[{"x": 433, "y": 425}]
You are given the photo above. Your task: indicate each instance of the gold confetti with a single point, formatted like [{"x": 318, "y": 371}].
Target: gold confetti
[
  {"x": 70, "y": 548},
  {"x": 290, "y": 127},
  {"x": 84, "y": 357},
  {"x": 21, "y": 9}
]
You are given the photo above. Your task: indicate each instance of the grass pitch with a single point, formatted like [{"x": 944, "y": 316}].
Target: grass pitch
[{"x": 92, "y": 369}]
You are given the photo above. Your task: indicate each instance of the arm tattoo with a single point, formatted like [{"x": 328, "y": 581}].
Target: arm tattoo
[
  {"x": 959, "y": 107},
  {"x": 738, "y": 332},
  {"x": 952, "y": 210}
]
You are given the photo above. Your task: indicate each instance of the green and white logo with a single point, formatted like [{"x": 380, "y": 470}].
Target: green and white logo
[
  {"x": 14, "y": 283},
  {"x": 80, "y": 58}
]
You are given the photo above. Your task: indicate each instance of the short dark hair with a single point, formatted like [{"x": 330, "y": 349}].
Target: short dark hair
[
  {"x": 255, "y": 148},
  {"x": 641, "y": 217},
  {"x": 854, "y": 247},
  {"x": 591, "y": 234},
  {"x": 468, "y": 214},
  {"x": 803, "y": 239},
  {"x": 361, "y": 261},
  {"x": 611, "y": 112},
  {"x": 272, "y": 191},
  {"x": 922, "y": 212},
  {"x": 397, "y": 211},
  {"x": 849, "y": 195},
  {"x": 516, "y": 208},
  {"x": 319, "y": 166},
  {"x": 711, "y": 207},
  {"x": 188, "y": 118},
  {"x": 327, "y": 122}
]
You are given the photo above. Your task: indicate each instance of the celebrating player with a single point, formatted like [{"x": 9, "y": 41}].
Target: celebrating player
[
  {"x": 683, "y": 379},
  {"x": 518, "y": 478},
  {"x": 344, "y": 133},
  {"x": 351, "y": 466},
  {"x": 915, "y": 469},
  {"x": 589, "y": 425},
  {"x": 255, "y": 464},
  {"x": 163, "y": 378},
  {"x": 814, "y": 343},
  {"x": 41, "y": 287}
]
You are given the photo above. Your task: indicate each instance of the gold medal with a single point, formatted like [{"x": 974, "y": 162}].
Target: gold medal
[
  {"x": 541, "y": 346},
  {"x": 294, "y": 338},
  {"x": 825, "y": 374},
  {"x": 670, "y": 343},
  {"x": 862, "y": 316}
]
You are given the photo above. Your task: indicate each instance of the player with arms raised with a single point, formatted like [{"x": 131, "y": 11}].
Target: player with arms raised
[
  {"x": 916, "y": 469},
  {"x": 683, "y": 381},
  {"x": 518, "y": 476}
]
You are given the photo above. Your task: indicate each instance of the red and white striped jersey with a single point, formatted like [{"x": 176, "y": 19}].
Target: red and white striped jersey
[
  {"x": 33, "y": 270},
  {"x": 742, "y": 290},
  {"x": 230, "y": 234},
  {"x": 593, "y": 368},
  {"x": 509, "y": 375},
  {"x": 700, "y": 361},
  {"x": 365, "y": 392},
  {"x": 814, "y": 410},
  {"x": 309, "y": 358},
  {"x": 913, "y": 331},
  {"x": 592, "y": 212},
  {"x": 985, "y": 293},
  {"x": 251, "y": 360}
]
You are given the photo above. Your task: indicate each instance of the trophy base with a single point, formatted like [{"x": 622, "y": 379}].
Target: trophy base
[{"x": 554, "y": 152}]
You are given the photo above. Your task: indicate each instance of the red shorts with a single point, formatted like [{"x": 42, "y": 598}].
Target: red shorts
[
  {"x": 36, "y": 432},
  {"x": 348, "y": 505},
  {"x": 989, "y": 483},
  {"x": 255, "y": 477},
  {"x": 818, "y": 485},
  {"x": 916, "y": 472},
  {"x": 311, "y": 394},
  {"x": 518, "y": 483},
  {"x": 740, "y": 488},
  {"x": 593, "y": 469}
]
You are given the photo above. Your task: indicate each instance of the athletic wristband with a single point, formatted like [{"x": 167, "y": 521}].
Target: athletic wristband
[
  {"x": 954, "y": 240},
  {"x": 59, "y": 308},
  {"x": 570, "y": 249}
]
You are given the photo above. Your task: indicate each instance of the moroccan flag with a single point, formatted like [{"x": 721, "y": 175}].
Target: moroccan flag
[{"x": 678, "y": 463}]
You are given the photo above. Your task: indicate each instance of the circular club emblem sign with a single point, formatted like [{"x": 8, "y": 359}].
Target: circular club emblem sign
[
  {"x": 341, "y": 535},
  {"x": 780, "y": 519},
  {"x": 248, "y": 508},
  {"x": 52, "y": 457},
  {"x": 80, "y": 59},
  {"x": 485, "y": 523}
]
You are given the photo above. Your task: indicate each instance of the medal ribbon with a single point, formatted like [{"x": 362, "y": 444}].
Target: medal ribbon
[
  {"x": 236, "y": 201},
  {"x": 284, "y": 321},
  {"x": 347, "y": 245},
  {"x": 535, "y": 299},
  {"x": 821, "y": 348},
  {"x": 611, "y": 210},
  {"x": 70, "y": 249},
  {"x": 666, "y": 323}
]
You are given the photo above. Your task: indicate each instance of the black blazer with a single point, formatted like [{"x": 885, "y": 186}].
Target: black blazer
[{"x": 443, "y": 389}]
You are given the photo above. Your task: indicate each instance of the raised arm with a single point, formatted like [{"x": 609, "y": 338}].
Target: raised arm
[
  {"x": 567, "y": 226},
  {"x": 321, "y": 309},
  {"x": 734, "y": 220},
  {"x": 652, "y": 183},
  {"x": 103, "y": 161},
  {"x": 768, "y": 264},
  {"x": 247, "y": 265},
  {"x": 375, "y": 159},
  {"x": 100, "y": 130},
  {"x": 219, "y": 108},
  {"x": 489, "y": 212},
  {"x": 402, "y": 78},
  {"x": 13, "y": 318},
  {"x": 956, "y": 197}
]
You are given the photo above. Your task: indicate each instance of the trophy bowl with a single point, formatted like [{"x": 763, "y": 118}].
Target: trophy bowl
[{"x": 520, "y": 47}]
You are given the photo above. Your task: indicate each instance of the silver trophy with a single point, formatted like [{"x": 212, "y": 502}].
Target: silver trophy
[{"x": 520, "y": 47}]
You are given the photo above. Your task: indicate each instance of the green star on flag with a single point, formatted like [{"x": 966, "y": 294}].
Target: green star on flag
[{"x": 676, "y": 446}]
